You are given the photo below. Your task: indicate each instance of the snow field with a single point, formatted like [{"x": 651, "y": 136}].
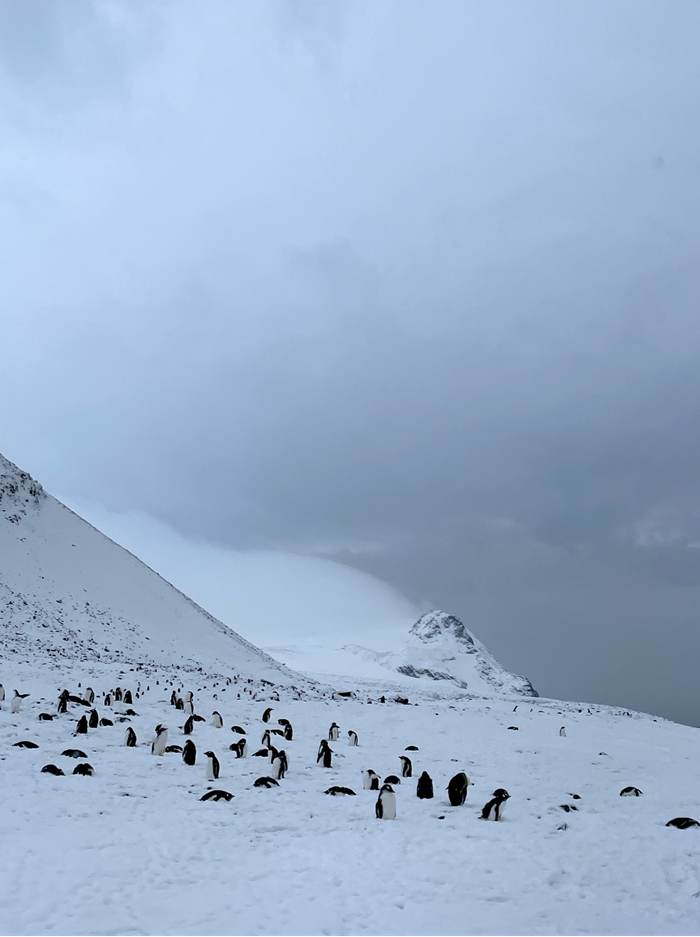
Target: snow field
[{"x": 132, "y": 850}]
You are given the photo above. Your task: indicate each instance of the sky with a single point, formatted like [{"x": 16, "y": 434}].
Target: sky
[{"x": 407, "y": 287}]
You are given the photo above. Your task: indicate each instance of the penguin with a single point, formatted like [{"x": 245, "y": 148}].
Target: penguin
[
  {"x": 406, "y": 767},
  {"x": 106, "y": 722},
  {"x": 683, "y": 823},
  {"x": 188, "y": 726},
  {"x": 352, "y": 737},
  {"x": 109, "y": 700},
  {"x": 562, "y": 732},
  {"x": 62, "y": 705},
  {"x": 262, "y": 753},
  {"x": 25, "y": 745},
  {"x": 73, "y": 753},
  {"x": 52, "y": 769},
  {"x": 212, "y": 766},
  {"x": 411, "y": 748},
  {"x": 493, "y": 810},
  {"x": 279, "y": 766},
  {"x": 277, "y": 732},
  {"x": 17, "y": 701},
  {"x": 272, "y": 753},
  {"x": 189, "y": 752},
  {"x": 118, "y": 694},
  {"x": 2, "y": 693},
  {"x": 128, "y": 698},
  {"x": 173, "y": 698},
  {"x": 457, "y": 789},
  {"x": 89, "y": 695},
  {"x": 241, "y": 748},
  {"x": 288, "y": 732},
  {"x": 238, "y": 729},
  {"x": 217, "y": 795},
  {"x": 94, "y": 719},
  {"x": 130, "y": 738},
  {"x": 385, "y": 808},
  {"x": 284, "y": 722},
  {"x": 85, "y": 769},
  {"x": 265, "y": 740},
  {"x": 217, "y": 721},
  {"x": 424, "y": 789},
  {"x": 82, "y": 727},
  {"x": 160, "y": 742},
  {"x": 630, "y": 792},
  {"x": 336, "y": 791},
  {"x": 324, "y": 754},
  {"x": 266, "y": 714},
  {"x": 130, "y": 712},
  {"x": 45, "y": 717},
  {"x": 370, "y": 780},
  {"x": 173, "y": 749},
  {"x": 189, "y": 707},
  {"x": 333, "y": 732},
  {"x": 189, "y": 696},
  {"x": 266, "y": 782},
  {"x": 180, "y": 703}
]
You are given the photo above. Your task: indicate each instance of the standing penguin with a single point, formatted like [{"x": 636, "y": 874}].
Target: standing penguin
[
  {"x": 385, "y": 808},
  {"x": 118, "y": 694},
  {"x": 2, "y": 693},
  {"x": 109, "y": 699},
  {"x": 130, "y": 738},
  {"x": 212, "y": 766},
  {"x": 128, "y": 698},
  {"x": 279, "y": 766},
  {"x": 324, "y": 754},
  {"x": 242, "y": 748},
  {"x": 189, "y": 752},
  {"x": 173, "y": 698},
  {"x": 406, "y": 767},
  {"x": 424, "y": 790},
  {"x": 94, "y": 719},
  {"x": 188, "y": 726},
  {"x": 265, "y": 740},
  {"x": 288, "y": 732},
  {"x": 370, "y": 780},
  {"x": 266, "y": 714},
  {"x": 89, "y": 695},
  {"x": 82, "y": 727},
  {"x": 493, "y": 810},
  {"x": 189, "y": 707},
  {"x": 160, "y": 742},
  {"x": 352, "y": 736},
  {"x": 562, "y": 731},
  {"x": 333, "y": 732},
  {"x": 217, "y": 721},
  {"x": 457, "y": 789},
  {"x": 62, "y": 704},
  {"x": 17, "y": 701}
]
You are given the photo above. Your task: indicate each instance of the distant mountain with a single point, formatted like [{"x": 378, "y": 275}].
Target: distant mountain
[{"x": 69, "y": 592}]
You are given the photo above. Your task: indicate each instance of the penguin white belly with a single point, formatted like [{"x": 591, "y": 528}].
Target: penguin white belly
[
  {"x": 160, "y": 743},
  {"x": 388, "y": 800},
  {"x": 16, "y": 703}
]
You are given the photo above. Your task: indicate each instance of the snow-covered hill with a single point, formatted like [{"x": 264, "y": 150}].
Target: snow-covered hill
[{"x": 69, "y": 592}]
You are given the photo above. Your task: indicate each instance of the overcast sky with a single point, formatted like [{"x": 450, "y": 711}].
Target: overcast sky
[{"x": 412, "y": 286}]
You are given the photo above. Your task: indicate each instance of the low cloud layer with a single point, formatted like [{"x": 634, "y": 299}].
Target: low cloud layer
[{"x": 410, "y": 288}]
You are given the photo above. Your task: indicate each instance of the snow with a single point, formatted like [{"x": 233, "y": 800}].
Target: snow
[{"x": 133, "y": 850}]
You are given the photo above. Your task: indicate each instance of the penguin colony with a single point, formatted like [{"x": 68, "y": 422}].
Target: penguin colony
[{"x": 386, "y": 802}]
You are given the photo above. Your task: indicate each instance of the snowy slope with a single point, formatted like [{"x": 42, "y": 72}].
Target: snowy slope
[
  {"x": 133, "y": 850},
  {"x": 68, "y": 591}
]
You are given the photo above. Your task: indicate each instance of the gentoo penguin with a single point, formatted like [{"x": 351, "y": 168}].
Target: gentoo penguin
[
  {"x": 324, "y": 754},
  {"x": 25, "y": 745},
  {"x": 333, "y": 732},
  {"x": 109, "y": 700},
  {"x": 85, "y": 769},
  {"x": 128, "y": 698},
  {"x": 336, "y": 791},
  {"x": 17, "y": 701},
  {"x": 279, "y": 766},
  {"x": 406, "y": 767},
  {"x": 352, "y": 736},
  {"x": 283, "y": 722},
  {"x": 392, "y": 779},
  {"x": 562, "y": 731},
  {"x": 385, "y": 808},
  {"x": 188, "y": 726},
  {"x": 217, "y": 795},
  {"x": 493, "y": 810},
  {"x": 266, "y": 714},
  {"x": 630, "y": 792},
  {"x": 106, "y": 722},
  {"x": 2, "y": 693},
  {"x": 288, "y": 732},
  {"x": 173, "y": 698},
  {"x": 130, "y": 738},
  {"x": 159, "y": 743},
  {"x": 457, "y": 789},
  {"x": 52, "y": 769},
  {"x": 89, "y": 695},
  {"x": 180, "y": 703},
  {"x": 189, "y": 707},
  {"x": 683, "y": 823},
  {"x": 173, "y": 749},
  {"x": 262, "y": 753},
  {"x": 45, "y": 717},
  {"x": 424, "y": 790},
  {"x": 94, "y": 719},
  {"x": 118, "y": 694},
  {"x": 73, "y": 753},
  {"x": 212, "y": 766},
  {"x": 240, "y": 748},
  {"x": 82, "y": 727},
  {"x": 265, "y": 740},
  {"x": 189, "y": 752},
  {"x": 217, "y": 721},
  {"x": 411, "y": 748},
  {"x": 265, "y": 782},
  {"x": 238, "y": 729},
  {"x": 370, "y": 780}
]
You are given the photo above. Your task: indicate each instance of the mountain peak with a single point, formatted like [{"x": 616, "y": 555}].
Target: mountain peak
[{"x": 435, "y": 625}]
